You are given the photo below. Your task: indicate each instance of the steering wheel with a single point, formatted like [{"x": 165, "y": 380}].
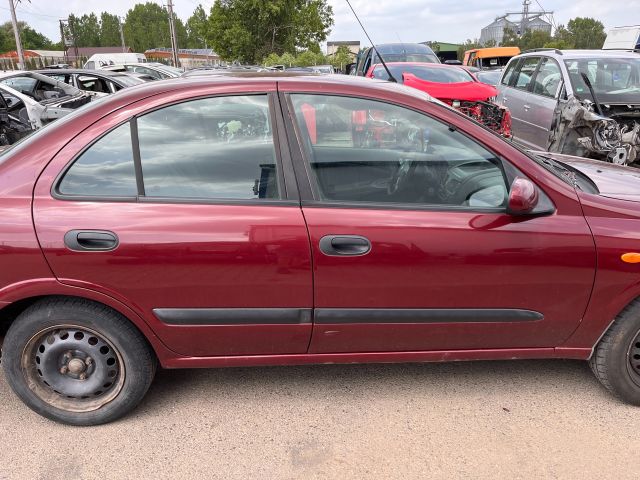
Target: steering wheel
[{"x": 399, "y": 177}]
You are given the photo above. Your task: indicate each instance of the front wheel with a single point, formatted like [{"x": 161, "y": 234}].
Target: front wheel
[
  {"x": 77, "y": 362},
  {"x": 616, "y": 359}
]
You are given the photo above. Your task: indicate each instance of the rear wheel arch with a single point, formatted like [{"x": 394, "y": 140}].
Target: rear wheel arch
[{"x": 11, "y": 312}]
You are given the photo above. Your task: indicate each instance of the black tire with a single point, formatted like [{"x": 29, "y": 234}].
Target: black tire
[
  {"x": 616, "y": 358},
  {"x": 83, "y": 330}
]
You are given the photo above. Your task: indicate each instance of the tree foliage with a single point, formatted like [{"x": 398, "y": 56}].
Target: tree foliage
[
  {"x": 586, "y": 33},
  {"x": 197, "y": 28},
  {"x": 249, "y": 30},
  {"x": 581, "y": 33},
  {"x": 109, "y": 30},
  {"x": 342, "y": 57},
  {"x": 147, "y": 26},
  {"x": 31, "y": 39}
]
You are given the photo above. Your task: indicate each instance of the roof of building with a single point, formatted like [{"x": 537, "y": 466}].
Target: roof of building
[
  {"x": 343, "y": 42},
  {"x": 88, "y": 51}
]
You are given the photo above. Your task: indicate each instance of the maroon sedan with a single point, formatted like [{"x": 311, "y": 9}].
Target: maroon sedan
[{"x": 214, "y": 222}]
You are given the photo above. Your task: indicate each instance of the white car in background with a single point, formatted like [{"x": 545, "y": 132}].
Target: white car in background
[
  {"x": 157, "y": 70},
  {"x": 30, "y": 100}
]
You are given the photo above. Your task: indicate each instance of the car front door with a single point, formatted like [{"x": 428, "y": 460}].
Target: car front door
[
  {"x": 181, "y": 210},
  {"x": 412, "y": 246}
]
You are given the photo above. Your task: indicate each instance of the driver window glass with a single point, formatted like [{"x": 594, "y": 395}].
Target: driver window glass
[{"x": 366, "y": 151}]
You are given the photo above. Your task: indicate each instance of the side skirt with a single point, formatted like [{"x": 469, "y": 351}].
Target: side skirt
[{"x": 376, "y": 357}]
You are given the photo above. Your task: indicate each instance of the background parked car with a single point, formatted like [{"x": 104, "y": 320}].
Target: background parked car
[
  {"x": 100, "y": 81},
  {"x": 156, "y": 70},
  {"x": 578, "y": 102},
  {"x": 30, "y": 101},
  {"x": 453, "y": 85},
  {"x": 394, "y": 52},
  {"x": 101, "y": 60},
  {"x": 489, "y": 58}
]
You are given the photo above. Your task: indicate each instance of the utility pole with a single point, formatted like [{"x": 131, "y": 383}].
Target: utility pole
[
  {"x": 121, "y": 35},
  {"x": 14, "y": 20},
  {"x": 172, "y": 32}
]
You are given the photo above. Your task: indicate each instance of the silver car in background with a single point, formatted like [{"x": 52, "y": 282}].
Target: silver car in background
[{"x": 577, "y": 102}]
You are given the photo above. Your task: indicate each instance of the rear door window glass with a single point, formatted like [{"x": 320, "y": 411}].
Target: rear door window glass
[
  {"x": 104, "y": 169},
  {"x": 214, "y": 148},
  {"x": 548, "y": 78},
  {"x": 525, "y": 73}
]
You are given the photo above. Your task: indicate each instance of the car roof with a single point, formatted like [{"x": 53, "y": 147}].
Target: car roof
[
  {"x": 104, "y": 73},
  {"x": 416, "y": 64},
  {"x": 574, "y": 54}
]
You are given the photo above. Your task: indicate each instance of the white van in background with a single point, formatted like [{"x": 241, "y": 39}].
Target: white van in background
[
  {"x": 98, "y": 61},
  {"x": 623, "y": 38}
]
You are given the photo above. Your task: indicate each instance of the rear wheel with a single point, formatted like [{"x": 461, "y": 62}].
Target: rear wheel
[
  {"x": 616, "y": 359},
  {"x": 77, "y": 362}
]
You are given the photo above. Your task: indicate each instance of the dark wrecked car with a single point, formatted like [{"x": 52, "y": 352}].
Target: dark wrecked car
[
  {"x": 576, "y": 102},
  {"x": 454, "y": 86},
  {"x": 30, "y": 100}
]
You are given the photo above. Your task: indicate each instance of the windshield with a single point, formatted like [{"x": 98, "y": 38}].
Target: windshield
[
  {"x": 424, "y": 72},
  {"x": 128, "y": 81},
  {"x": 490, "y": 77},
  {"x": 614, "y": 80},
  {"x": 405, "y": 52}
]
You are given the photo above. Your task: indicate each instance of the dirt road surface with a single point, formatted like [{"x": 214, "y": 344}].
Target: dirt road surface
[{"x": 526, "y": 419}]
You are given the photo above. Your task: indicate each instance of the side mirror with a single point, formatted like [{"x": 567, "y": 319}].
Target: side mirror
[{"x": 523, "y": 197}]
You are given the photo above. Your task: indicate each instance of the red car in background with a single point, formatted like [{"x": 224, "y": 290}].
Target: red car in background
[{"x": 454, "y": 86}]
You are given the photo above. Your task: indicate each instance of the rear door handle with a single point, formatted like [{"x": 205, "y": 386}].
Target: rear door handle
[
  {"x": 526, "y": 107},
  {"x": 91, "y": 240},
  {"x": 344, "y": 245}
]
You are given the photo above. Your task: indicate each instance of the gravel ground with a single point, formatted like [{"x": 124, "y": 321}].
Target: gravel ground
[{"x": 526, "y": 419}]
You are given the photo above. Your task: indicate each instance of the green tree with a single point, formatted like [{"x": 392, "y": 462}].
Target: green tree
[
  {"x": 109, "y": 30},
  {"x": 271, "y": 60},
  {"x": 85, "y": 30},
  {"x": 510, "y": 38},
  {"x": 197, "y": 28},
  {"x": 342, "y": 57},
  {"x": 287, "y": 59},
  {"x": 534, "y": 39},
  {"x": 309, "y": 58},
  {"x": 586, "y": 33},
  {"x": 147, "y": 26},
  {"x": 249, "y": 30},
  {"x": 31, "y": 39}
]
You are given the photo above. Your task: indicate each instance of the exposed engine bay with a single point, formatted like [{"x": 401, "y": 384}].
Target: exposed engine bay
[{"x": 577, "y": 129}]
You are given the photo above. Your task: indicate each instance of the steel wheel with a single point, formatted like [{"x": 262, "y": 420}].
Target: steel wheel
[
  {"x": 633, "y": 365},
  {"x": 73, "y": 368}
]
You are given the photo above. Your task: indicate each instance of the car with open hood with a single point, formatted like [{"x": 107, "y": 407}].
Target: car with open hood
[
  {"x": 576, "y": 102},
  {"x": 274, "y": 219}
]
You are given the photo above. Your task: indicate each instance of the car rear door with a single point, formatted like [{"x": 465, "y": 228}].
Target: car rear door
[
  {"x": 412, "y": 246},
  {"x": 183, "y": 210}
]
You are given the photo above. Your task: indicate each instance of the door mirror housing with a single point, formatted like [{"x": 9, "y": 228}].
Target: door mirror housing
[{"x": 523, "y": 197}]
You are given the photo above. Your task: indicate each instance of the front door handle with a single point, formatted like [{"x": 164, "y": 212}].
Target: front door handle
[
  {"x": 526, "y": 107},
  {"x": 91, "y": 240},
  {"x": 344, "y": 245}
]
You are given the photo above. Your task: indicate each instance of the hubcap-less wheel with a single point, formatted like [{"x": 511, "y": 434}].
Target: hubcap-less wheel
[
  {"x": 73, "y": 368},
  {"x": 634, "y": 360}
]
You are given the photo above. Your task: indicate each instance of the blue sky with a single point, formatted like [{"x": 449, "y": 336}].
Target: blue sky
[{"x": 386, "y": 20}]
